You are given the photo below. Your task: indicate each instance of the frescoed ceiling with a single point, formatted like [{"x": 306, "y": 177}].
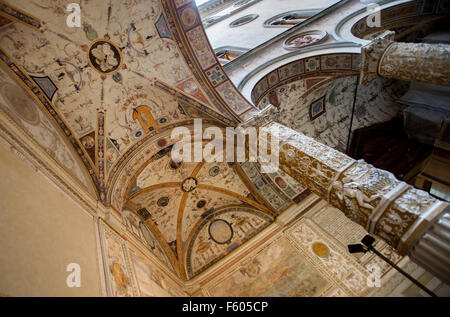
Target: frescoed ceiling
[
  {"x": 110, "y": 92},
  {"x": 179, "y": 201},
  {"x": 118, "y": 77},
  {"x": 175, "y": 199}
]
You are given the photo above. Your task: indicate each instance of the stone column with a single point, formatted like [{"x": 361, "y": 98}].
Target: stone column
[
  {"x": 423, "y": 62},
  {"x": 408, "y": 219}
]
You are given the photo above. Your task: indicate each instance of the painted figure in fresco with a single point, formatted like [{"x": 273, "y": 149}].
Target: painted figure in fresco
[
  {"x": 119, "y": 278},
  {"x": 303, "y": 41},
  {"x": 91, "y": 34},
  {"x": 252, "y": 269},
  {"x": 115, "y": 255}
]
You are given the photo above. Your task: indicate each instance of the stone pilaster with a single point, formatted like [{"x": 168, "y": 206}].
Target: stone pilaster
[{"x": 371, "y": 55}]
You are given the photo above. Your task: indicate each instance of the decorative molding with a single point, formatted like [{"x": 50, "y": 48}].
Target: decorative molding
[
  {"x": 325, "y": 64},
  {"x": 193, "y": 43}
]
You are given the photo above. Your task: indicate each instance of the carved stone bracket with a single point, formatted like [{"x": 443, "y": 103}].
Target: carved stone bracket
[{"x": 268, "y": 114}]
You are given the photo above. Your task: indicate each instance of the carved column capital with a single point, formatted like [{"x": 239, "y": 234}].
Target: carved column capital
[
  {"x": 269, "y": 114},
  {"x": 371, "y": 55}
]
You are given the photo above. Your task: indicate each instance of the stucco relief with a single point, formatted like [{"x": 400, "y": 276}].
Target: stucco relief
[
  {"x": 402, "y": 213},
  {"x": 360, "y": 189}
]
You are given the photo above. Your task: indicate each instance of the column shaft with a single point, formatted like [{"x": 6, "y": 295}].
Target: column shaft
[
  {"x": 423, "y": 62},
  {"x": 374, "y": 198}
]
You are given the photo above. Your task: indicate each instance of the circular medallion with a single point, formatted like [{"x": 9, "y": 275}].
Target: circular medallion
[
  {"x": 304, "y": 39},
  {"x": 88, "y": 142},
  {"x": 201, "y": 203},
  {"x": 104, "y": 56},
  {"x": 138, "y": 134},
  {"x": 175, "y": 165},
  {"x": 190, "y": 87},
  {"x": 214, "y": 171},
  {"x": 220, "y": 231},
  {"x": 280, "y": 182},
  {"x": 163, "y": 201},
  {"x": 161, "y": 142},
  {"x": 189, "y": 184},
  {"x": 188, "y": 17},
  {"x": 320, "y": 249},
  {"x": 117, "y": 77},
  {"x": 243, "y": 20}
]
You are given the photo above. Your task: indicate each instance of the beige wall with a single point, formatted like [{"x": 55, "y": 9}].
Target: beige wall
[{"x": 41, "y": 231}]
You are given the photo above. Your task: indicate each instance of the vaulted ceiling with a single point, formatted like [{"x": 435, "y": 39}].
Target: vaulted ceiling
[
  {"x": 121, "y": 73},
  {"x": 110, "y": 92},
  {"x": 175, "y": 199}
]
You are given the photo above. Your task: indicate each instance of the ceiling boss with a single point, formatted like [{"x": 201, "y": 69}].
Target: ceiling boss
[{"x": 104, "y": 56}]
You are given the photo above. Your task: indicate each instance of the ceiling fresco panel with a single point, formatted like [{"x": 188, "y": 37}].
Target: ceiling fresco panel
[
  {"x": 219, "y": 234},
  {"x": 163, "y": 213},
  {"x": 18, "y": 104},
  {"x": 99, "y": 79}
]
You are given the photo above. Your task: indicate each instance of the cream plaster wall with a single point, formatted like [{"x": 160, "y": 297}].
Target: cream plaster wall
[{"x": 41, "y": 231}]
